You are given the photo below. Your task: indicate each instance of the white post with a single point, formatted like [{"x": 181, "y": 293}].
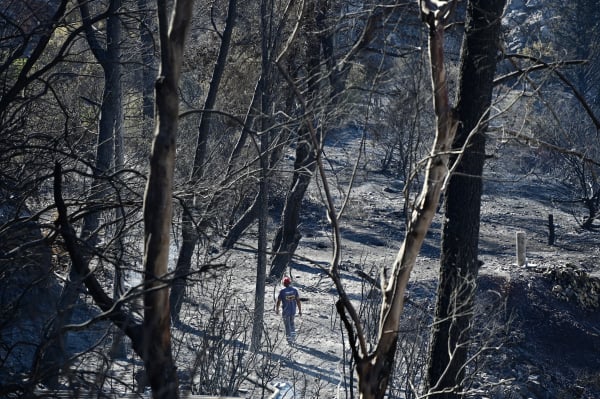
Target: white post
[{"x": 521, "y": 249}]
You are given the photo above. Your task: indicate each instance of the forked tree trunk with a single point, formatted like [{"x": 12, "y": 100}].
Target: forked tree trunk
[
  {"x": 459, "y": 264},
  {"x": 160, "y": 367},
  {"x": 374, "y": 368}
]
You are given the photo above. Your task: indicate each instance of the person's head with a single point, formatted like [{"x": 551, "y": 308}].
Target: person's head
[{"x": 286, "y": 281}]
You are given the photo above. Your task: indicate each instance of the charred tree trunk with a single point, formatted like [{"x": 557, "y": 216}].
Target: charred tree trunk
[
  {"x": 160, "y": 367},
  {"x": 113, "y": 29},
  {"x": 148, "y": 61},
  {"x": 108, "y": 58},
  {"x": 591, "y": 204},
  {"x": 114, "y": 311},
  {"x": 287, "y": 236},
  {"x": 373, "y": 383},
  {"x": 190, "y": 235},
  {"x": 213, "y": 90},
  {"x": 459, "y": 264},
  {"x": 266, "y": 20}
]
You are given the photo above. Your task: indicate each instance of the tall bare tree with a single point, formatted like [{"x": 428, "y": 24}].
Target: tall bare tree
[
  {"x": 322, "y": 64},
  {"x": 266, "y": 22},
  {"x": 158, "y": 359},
  {"x": 448, "y": 356},
  {"x": 374, "y": 367}
]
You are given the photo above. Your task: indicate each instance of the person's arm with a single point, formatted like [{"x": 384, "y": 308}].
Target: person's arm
[
  {"x": 299, "y": 305},
  {"x": 277, "y": 305}
]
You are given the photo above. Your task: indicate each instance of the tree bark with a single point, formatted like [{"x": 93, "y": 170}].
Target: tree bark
[
  {"x": 459, "y": 264},
  {"x": 113, "y": 47},
  {"x": 288, "y": 236},
  {"x": 211, "y": 97},
  {"x": 261, "y": 264},
  {"x": 160, "y": 367}
]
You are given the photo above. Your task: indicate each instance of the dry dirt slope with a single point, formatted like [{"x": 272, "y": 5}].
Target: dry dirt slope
[
  {"x": 549, "y": 350},
  {"x": 548, "y": 334}
]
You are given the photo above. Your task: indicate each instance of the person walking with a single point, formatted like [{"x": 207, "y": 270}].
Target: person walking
[{"x": 289, "y": 299}]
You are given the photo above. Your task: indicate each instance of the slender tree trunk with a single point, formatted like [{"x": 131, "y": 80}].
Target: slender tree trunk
[
  {"x": 375, "y": 370},
  {"x": 189, "y": 233},
  {"x": 189, "y": 239},
  {"x": 213, "y": 90},
  {"x": 374, "y": 367},
  {"x": 113, "y": 29},
  {"x": 459, "y": 264},
  {"x": 261, "y": 264},
  {"x": 160, "y": 367},
  {"x": 238, "y": 228},
  {"x": 108, "y": 58},
  {"x": 114, "y": 311},
  {"x": 148, "y": 60},
  {"x": 266, "y": 15},
  {"x": 288, "y": 236}
]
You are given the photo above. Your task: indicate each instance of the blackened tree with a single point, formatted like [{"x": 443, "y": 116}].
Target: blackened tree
[{"x": 459, "y": 264}]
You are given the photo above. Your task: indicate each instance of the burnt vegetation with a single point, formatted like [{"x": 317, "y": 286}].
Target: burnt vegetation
[{"x": 164, "y": 164}]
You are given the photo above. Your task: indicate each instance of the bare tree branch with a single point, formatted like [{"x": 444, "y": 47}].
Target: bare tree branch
[
  {"x": 113, "y": 310},
  {"x": 554, "y": 68}
]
